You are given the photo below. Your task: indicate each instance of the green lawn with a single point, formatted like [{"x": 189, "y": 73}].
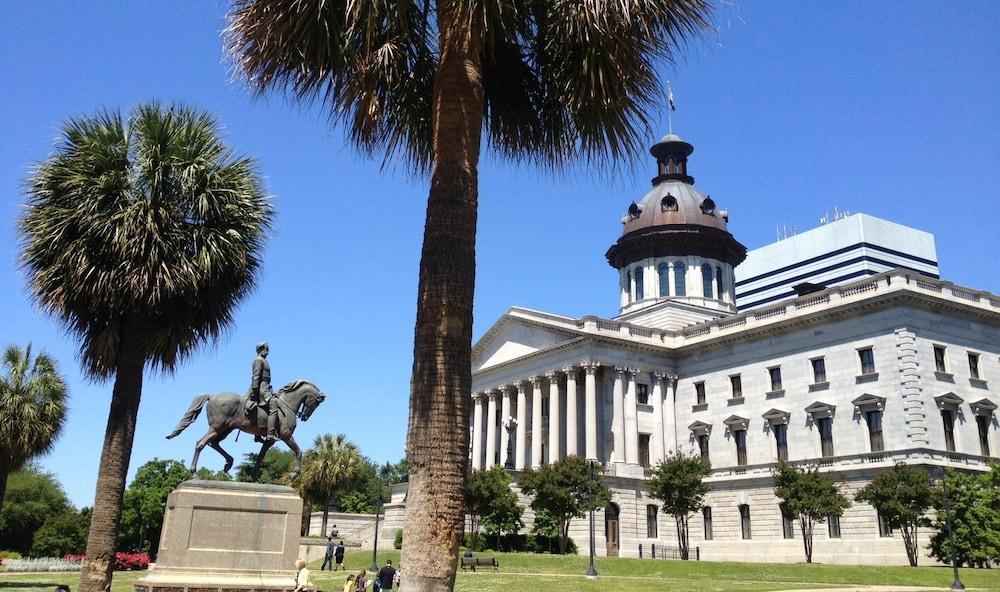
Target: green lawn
[{"x": 551, "y": 573}]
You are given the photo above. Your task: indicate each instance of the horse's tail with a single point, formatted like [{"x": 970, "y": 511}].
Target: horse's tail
[{"x": 191, "y": 415}]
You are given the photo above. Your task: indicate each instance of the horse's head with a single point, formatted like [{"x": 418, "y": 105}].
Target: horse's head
[{"x": 311, "y": 401}]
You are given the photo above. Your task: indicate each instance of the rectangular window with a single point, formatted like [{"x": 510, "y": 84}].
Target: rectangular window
[
  {"x": 781, "y": 440},
  {"x": 974, "y": 365},
  {"x": 644, "y": 450},
  {"x": 825, "y": 426},
  {"x": 983, "y": 423},
  {"x": 883, "y": 526},
  {"x": 703, "y": 446},
  {"x": 651, "y": 521},
  {"x": 699, "y": 393},
  {"x": 939, "y": 359},
  {"x": 867, "y": 358},
  {"x": 948, "y": 419},
  {"x": 819, "y": 370},
  {"x": 787, "y": 528},
  {"x": 740, "y": 437},
  {"x": 875, "y": 430},
  {"x": 737, "y": 385},
  {"x": 833, "y": 526},
  {"x": 642, "y": 394},
  {"x": 706, "y": 522},
  {"x": 775, "y": 374},
  {"x": 745, "y": 521}
]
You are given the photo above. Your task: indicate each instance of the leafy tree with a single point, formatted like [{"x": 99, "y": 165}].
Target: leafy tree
[
  {"x": 32, "y": 408},
  {"x": 546, "y": 82},
  {"x": 902, "y": 496},
  {"x": 276, "y": 468},
  {"x": 678, "y": 482},
  {"x": 141, "y": 235},
  {"x": 356, "y": 502},
  {"x": 397, "y": 472},
  {"x": 206, "y": 474},
  {"x": 564, "y": 489},
  {"x": 810, "y": 495},
  {"x": 332, "y": 463},
  {"x": 490, "y": 500},
  {"x": 32, "y": 496},
  {"x": 144, "y": 502},
  {"x": 62, "y": 533},
  {"x": 974, "y": 505}
]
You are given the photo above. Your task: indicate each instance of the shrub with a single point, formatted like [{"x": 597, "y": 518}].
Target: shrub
[
  {"x": 526, "y": 543},
  {"x": 5, "y": 555},
  {"x": 398, "y": 541},
  {"x": 123, "y": 561}
]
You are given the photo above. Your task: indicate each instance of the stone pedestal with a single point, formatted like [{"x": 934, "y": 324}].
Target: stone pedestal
[{"x": 222, "y": 536}]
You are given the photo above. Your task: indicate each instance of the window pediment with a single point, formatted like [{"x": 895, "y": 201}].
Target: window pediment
[
  {"x": 735, "y": 422},
  {"x": 820, "y": 409},
  {"x": 699, "y": 428},
  {"x": 776, "y": 416},
  {"x": 948, "y": 401},
  {"x": 868, "y": 402},
  {"x": 983, "y": 407}
]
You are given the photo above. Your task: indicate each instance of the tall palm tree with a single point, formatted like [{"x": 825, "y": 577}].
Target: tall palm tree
[
  {"x": 546, "y": 81},
  {"x": 332, "y": 463},
  {"x": 32, "y": 408},
  {"x": 140, "y": 235}
]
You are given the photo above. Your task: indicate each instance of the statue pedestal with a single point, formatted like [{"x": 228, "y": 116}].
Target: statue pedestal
[{"x": 221, "y": 536}]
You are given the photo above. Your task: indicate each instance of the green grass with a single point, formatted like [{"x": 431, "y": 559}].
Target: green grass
[{"x": 553, "y": 573}]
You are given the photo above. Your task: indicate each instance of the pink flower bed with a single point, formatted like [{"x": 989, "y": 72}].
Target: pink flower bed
[{"x": 123, "y": 561}]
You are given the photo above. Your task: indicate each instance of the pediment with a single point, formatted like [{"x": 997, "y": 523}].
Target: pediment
[
  {"x": 869, "y": 401},
  {"x": 821, "y": 409},
  {"x": 983, "y": 407},
  {"x": 776, "y": 416},
  {"x": 948, "y": 401},
  {"x": 700, "y": 427},
  {"x": 511, "y": 338},
  {"x": 735, "y": 422}
]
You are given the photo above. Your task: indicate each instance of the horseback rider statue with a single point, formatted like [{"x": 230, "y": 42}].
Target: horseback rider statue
[{"x": 261, "y": 393}]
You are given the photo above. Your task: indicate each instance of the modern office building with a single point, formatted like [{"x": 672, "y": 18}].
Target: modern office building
[{"x": 715, "y": 353}]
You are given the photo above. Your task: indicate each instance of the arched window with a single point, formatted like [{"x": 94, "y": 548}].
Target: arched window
[
  {"x": 706, "y": 280},
  {"x": 628, "y": 286},
  {"x": 680, "y": 287},
  {"x": 718, "y": 282},
  {"x": 639, "y": 291},
  {"x": 663, "y": 273}
]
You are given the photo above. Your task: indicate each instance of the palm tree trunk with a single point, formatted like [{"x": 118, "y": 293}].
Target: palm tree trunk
[
  {"x": 437, "y": 444},
  {"x": 4, "y": 473},
  {"x": 326, "y": 514},
  {"x": 115, "y": 455}
]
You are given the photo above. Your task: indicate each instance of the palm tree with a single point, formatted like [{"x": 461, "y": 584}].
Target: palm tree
[
  {"x": 32, "y": 409},
  {"x": 140, "y": 236},
  {"x": 332, "y": 463},
  {"x": 546, "y": 81}
]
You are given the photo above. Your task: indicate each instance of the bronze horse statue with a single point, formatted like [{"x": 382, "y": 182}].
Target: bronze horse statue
[{"x": 226, "y": 412}]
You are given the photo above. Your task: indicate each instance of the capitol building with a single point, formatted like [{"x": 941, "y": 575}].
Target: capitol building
[{"x": 839, "y": 347}]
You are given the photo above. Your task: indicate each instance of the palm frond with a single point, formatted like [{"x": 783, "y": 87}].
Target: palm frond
[{"x": 32, "y": 406}]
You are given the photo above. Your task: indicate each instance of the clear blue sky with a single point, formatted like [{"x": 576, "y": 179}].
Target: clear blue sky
[{"x": 889, "y": 108}]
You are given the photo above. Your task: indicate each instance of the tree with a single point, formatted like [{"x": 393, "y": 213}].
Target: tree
[
  {"x": 140, "y": 235},
  {"x": 332, "y": 463},
  {"x": 490, "y": 502},
  {"x": 32, "y": 408},
  {"x": 678, "y": 482},
  {"x": 32, "y": 496},
  {"x": 545, "y": 82},
  {"x": 62, "y": 533},
  {"x": 974, "y": 505},
  {"x": 564, "y": 489},
  {"x": 144, "y": 502},
  {"x": 276, "y": 468},
  {"x": 810, "y": 495},
  {"x": 902, "y": 496}
]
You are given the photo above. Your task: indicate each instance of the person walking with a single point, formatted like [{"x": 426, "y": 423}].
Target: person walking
[
  {"x": 361, "y": 581},
  {"x": 301, "y": 576},
  {"x": 386, "y": 575},
  {"x": 328, "y": 556},
  {"x": 338, "y": 554}
]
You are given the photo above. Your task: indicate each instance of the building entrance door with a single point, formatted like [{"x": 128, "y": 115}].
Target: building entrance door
[{"x": 611, "y": 529}]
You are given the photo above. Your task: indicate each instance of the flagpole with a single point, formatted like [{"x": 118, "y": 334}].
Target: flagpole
[{"x": 670, "y": 108}]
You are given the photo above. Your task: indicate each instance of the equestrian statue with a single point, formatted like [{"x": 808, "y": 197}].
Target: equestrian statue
[{"x": 269, "y": 416}]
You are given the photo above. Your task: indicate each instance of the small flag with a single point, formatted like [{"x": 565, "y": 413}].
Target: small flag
[{"x": 670, "y": 97}]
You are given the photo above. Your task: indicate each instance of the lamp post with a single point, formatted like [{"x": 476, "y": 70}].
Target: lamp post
[
  {"x": 378, "y": 507},
  {"x": 591, "y": 572},
  {"x": 956, "y": 584}
]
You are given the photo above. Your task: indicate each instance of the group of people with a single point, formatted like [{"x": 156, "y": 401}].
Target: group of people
[{"x": 386, "y": 579}]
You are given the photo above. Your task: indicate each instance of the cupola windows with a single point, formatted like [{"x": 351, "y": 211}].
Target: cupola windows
[
  {"x": 639, "y": 288},
  {"x": 708, "y": 206},
  {"x": 680, "y": 285},
  {"x": 668, "y": 203},
  {"x": 663, "y": 274},
  {"x": 706, "y": 280}
]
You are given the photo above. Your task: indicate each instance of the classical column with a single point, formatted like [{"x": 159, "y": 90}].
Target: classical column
[
  {"x": 656, "y": 447},
  {"x": 617, "y": 415},
  {"x": 505, "y": 424},
  {"x": 522, "y": 425},
  {"x": 590, "y": 409},
  {"x": 553, "y": 416},
  {"x": 669, "y": 415},
  {"x": 571, "y": 423},
  {"x": 491, "y": 429},
  {"x": 536, "y": 422},
  {"x": 631, "y": 420},
  {"x": 477, "y": 431}
]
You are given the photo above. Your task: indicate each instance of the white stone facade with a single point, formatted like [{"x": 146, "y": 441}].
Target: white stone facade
[{"x": 626, "y": 393}]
